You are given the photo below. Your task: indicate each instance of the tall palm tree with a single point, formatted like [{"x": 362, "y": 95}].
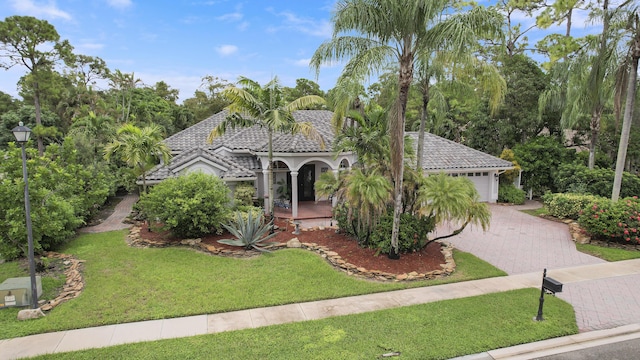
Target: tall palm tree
[
  {"x": 264, "y": 106},
  {"x": 452, "y": 70},
  {"x": 630, "y": 70},
  {"x": 395, "y": 32},
  {"x": 139, "y": 148}
]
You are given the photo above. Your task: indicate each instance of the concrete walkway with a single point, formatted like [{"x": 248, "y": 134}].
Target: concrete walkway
[{"x": 605, "y": 295}]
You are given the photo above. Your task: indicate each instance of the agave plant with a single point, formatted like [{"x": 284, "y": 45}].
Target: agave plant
[{"x": 249, "y": 233}]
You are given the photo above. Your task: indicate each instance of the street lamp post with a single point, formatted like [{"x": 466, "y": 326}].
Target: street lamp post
[{"x": 22, "y": 134}]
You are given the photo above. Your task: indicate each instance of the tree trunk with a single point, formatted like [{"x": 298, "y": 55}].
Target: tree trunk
[
  {"x": 36, "y": 100},
  {"x": 627, "y": 119},
  {"x": 270, "y": 172},
  {"x": 396, "y": 130},
  {"x": 595, "y": 132},
  {"x": 423, "y": 120}
]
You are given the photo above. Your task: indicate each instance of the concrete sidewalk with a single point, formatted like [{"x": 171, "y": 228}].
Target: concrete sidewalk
[{"x": 110, "y": 335}]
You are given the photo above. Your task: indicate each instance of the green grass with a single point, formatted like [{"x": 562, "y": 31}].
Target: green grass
[
  {"x": 608, "y": 253},
  {"x": 440, "y": 330},
  {"x": 124, "y": 284},
  {"x": 536, "y": 212}
]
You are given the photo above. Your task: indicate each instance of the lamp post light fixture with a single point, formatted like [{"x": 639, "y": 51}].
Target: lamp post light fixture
[{"x": 22, "y": 134}]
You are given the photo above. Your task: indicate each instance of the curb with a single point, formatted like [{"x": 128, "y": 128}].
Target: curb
[{"x": 560, "y": 345}]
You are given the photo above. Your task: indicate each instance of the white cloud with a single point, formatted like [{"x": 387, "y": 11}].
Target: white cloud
[
  {"x": 231, "y": 17},
  {"x": 301, "y": 62},
  {"x": 120, "y": 4},
  {"x": 319, "y": 28},
  {"x": 89, "y": 46},
  {"x": 46, "y": 10},
  {"x": 226, "y": 50},
  {"x": 243, "y": 26}
]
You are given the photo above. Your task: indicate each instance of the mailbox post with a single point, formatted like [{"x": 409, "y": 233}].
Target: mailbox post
[{"x": 548, "y": 284}]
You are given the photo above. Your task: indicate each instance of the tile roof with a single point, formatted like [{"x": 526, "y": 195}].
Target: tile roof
[
  {"x": 255, "y": 138},
  {"x": 443, "y": 154},
  {"x": 232, "y": 169}
]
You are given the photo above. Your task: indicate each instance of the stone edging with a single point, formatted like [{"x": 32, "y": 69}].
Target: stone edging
[
  {"x": 74, "y": 284},
  {"x": 134, "y": 239}
]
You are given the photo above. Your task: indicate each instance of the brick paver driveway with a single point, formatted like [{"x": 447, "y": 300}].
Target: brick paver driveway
[{"x": 519, "y": 243}]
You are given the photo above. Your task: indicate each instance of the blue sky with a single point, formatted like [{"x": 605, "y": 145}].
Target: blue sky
[{"x": 180, "y": 41}]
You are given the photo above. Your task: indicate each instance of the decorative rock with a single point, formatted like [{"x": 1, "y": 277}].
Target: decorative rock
[
  {"x": 294, "y": 243},
  {"x": 402, "y": 277},
  {"x": 29, "y": 314},
  {"x": 190, "y": 242}
]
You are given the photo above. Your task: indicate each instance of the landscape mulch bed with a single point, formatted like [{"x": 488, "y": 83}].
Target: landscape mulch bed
[{"x": 423, "y": 261}]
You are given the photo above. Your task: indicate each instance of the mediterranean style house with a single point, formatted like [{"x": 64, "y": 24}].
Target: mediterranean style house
[{"x": 241, "y": 156}]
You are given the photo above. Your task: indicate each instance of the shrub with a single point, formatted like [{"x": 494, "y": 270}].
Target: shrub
[
  {"x": 567, "y": 206},
  {"x": 613, "y": 221},
  {"x": 413, "y": 233},
  {"x": 508, "y": 193},
  {"x": 412, "y": 236},
  {"x": 578, "y": 178},
  {"x": 243, "y": 195},
  {"x": 190, "y": 205}
]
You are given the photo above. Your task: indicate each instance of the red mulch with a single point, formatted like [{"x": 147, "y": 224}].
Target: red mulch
[{"x": 423, "y": 261}]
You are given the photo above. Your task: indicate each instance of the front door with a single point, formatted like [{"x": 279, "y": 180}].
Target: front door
[{"x": 306, "y": 180}]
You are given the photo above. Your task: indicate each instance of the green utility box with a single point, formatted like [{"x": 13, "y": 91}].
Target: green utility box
[{"x": 17, "y": 291}]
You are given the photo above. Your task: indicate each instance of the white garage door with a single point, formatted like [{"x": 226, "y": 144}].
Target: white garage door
[{"x": 482, "y": 181}]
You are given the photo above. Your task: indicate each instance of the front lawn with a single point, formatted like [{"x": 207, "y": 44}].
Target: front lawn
[
  {"x": 125, "y": 284},
  {"x": 440, "y": 330}
]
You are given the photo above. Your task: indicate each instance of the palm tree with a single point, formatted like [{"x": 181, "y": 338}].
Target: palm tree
[
  {"x": 264, "y": 106},
  {"x": 455, "y": 200},
  {"x": 630, "y": 69},
  {"x": 435, "y": 72},
  {"x": 369, "y": 193},
  {"x": 395, "y": 32},
  {"x": 139, "y": 148}
]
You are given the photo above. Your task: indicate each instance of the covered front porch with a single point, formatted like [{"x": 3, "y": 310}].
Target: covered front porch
[{"x": 306, "y": 210}]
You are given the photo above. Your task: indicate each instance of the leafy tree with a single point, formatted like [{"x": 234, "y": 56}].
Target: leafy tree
[
  {"x": 304, "y": 87},
  {"x": 264, "y": 106},
  {"x": 540, "y": 158},
  {"x": 55, "y": 202},
  {"x": 123, "y": 84},
  {"x": 140, "y": 148},
  {"x": 393, "y": 32},
  {"x": 27, "y": 114},
  {"x": 209, "y": 102},
  {"x": 23, "y": 38},
  {"x": 190, "y": 205}
]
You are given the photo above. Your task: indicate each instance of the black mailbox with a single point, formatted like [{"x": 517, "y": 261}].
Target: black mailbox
[{"x": 552, "y": 285}]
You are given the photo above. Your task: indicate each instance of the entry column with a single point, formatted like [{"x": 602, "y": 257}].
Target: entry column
[{"x": 294, "y": 194}]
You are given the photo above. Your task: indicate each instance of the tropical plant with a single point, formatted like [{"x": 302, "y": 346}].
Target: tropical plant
[
  {"x": 264, "y": 106},
  {"x": 249, "y": 233},
  {"x": 454, "y": 200},
  {"x": 139, "y": 148},
  {"x": 395, "y": 32}
]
